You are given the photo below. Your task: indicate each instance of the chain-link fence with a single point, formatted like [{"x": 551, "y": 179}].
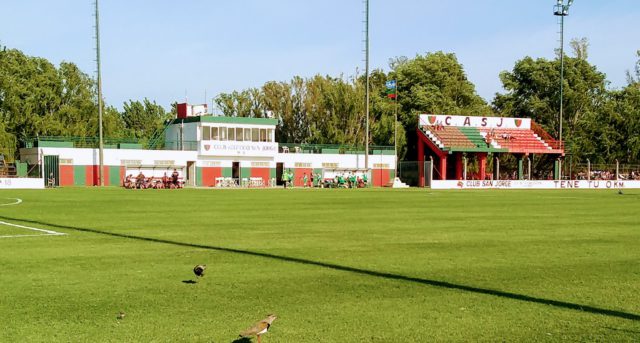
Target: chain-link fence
[
  {"x": 588, "y": 171},
  {"x": 537, "y": 168}
]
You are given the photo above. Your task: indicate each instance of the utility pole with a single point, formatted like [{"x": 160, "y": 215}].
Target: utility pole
[{"x": 101, "y": 145}]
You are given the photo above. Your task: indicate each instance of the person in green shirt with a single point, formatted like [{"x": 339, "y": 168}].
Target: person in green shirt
[
  {"x": 352, "y": 180},
  {"x": 305, "y": 180},
  {"x": 364, "y": 179},
  {"x": 285, "y": 177}
]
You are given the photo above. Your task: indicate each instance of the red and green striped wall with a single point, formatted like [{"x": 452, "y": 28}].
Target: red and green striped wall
[{"x": 71, "y": 175}]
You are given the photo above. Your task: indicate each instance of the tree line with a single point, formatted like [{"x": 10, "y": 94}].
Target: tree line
[{"x": 601, "y": 124}]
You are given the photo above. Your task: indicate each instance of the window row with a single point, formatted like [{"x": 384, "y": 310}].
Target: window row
[{"x": 237, "y": 134}]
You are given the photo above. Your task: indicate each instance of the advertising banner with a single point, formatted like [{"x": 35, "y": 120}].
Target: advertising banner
[
  {"x": 479, "y": 122},
  {"x": 534, "y": 184},
  {"x": 216, "y": 148},
  {"x": 21, "y": 183}
]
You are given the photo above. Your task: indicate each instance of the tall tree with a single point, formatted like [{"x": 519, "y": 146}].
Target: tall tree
[
  {"x": 434, "y": 83},
  {"x": 634, "y": 77},
  {"x": 580, "y": 48},
  {"x": 143, "y": 119}
]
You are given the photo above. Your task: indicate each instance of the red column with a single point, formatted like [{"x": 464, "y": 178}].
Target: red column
[
  {"x": 459, "y": 166},
  {"x": 443, "y": 167},
  {"x": 482, "y": 161},
  {"x": 420, "y": 162}
]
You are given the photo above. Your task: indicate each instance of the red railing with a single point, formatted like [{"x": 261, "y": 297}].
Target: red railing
[{"x": 553, "y": 143}]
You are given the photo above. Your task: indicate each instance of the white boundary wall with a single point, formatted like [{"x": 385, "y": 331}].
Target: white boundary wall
[
  {"x": 534, "y": 184},
  {"x": 341, "y": 161},
  {"x": 112, "y": 157},
  {"x": 21, "y": 183}
]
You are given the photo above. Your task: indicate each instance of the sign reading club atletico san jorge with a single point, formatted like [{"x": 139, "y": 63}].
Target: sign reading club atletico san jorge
[{"x": 472, "y": 121}]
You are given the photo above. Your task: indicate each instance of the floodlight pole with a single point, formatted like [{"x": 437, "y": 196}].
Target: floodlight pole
[
  {"x": 395, "y": 130},
  {"x": 561, "y": 10},
  {"x": 366, "y": 140},
  {"x": 99, "y": 81}
]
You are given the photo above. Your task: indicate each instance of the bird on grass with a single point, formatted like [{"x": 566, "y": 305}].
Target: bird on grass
[
  {"x": 620, "y": 191},
  {"x": 121, "y": 315},
  {"x": 199, "y": 270},
  {"x": 259, "y": 328}
]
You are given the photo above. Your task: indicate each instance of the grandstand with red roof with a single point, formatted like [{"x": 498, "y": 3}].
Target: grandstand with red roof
[{"x": 446, "y": 139}]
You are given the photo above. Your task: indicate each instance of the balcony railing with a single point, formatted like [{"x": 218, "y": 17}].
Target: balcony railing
[
  {"x": 303, "y": 148},
  {"x": 108, "y": 143}
]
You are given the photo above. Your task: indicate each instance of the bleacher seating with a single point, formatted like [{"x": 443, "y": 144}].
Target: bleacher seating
[
  {"x": 520, "y": 140},
  {"x": 456, "y": 138}
]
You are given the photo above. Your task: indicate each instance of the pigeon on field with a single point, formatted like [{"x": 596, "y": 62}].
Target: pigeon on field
[
  {"x": 260, "y": 328},
  {"x": 121, "y": 315},
  {"x": 199, "y": 270},
  {"x": 620, "y": 191}
]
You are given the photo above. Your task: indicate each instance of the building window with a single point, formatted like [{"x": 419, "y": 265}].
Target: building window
[
  {"x": 255, "y": 135},
  {"x": 214, "y": 133},
  {"x": 247, "y": 135},
  {"x": 164, "y": 162},
  {"x": 239, "y": 135},
  {"x": 270, "y": 137},
  {"x": 206, "y": 133},
  {"x": 223, "y": 133},
  {"x": 263, "y": 135},
  {"x": 131, "y": 162},
  {"x": 231, "y": 134}
]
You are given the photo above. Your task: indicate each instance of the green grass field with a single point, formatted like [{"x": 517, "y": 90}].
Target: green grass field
[{"x": 334, "y": 265}]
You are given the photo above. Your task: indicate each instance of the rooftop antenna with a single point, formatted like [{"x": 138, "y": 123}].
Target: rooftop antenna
[{"x": 99, "y": 81}]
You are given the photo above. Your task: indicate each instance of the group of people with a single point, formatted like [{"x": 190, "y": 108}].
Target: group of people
[
  {"x": 311, "y": 180},
  {"x": 437, "y": 126},
  {"x": 609, "y": 175},
  {"x": 492, "y": 136},
  {"x": 349, "y": 180},
  {"x": 342, "y": 180},
  {"x": 143, "y": 182}
]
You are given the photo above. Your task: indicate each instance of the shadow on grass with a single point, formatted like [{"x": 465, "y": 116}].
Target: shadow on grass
[
  {"x": 390, "y": 276},
  {"x": 190, "y": 282},
  {"x": 242, "y": 340},
  {"x": 621, "y": 330}
]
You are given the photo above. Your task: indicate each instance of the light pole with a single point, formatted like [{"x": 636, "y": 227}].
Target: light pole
[
  {"x": 561, "y": 10},
  {"x": 99, "y": 82},
  {"x": 366, "y": 139}
]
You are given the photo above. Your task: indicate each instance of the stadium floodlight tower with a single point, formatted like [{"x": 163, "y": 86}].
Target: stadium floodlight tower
[
  {"x": 99, "y": 84},
  {"x": 561, "y": 10}
]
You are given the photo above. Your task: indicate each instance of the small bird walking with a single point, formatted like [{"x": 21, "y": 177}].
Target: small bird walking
[
  {"x": 260, "y": 328},
  {"x": 199, "y": 271},
  {"x": 121, "y": 315}
]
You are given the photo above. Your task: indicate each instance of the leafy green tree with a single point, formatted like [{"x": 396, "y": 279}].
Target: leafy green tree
[
  {"x": 433, "y": 83},
  {"x": 143, "y": 119},
  {"x": 580, "y": 48},
  {"x": 533, "y": 91}
]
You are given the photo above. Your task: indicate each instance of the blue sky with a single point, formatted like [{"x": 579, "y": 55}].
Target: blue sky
[{"x": 165, "y": 49}]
